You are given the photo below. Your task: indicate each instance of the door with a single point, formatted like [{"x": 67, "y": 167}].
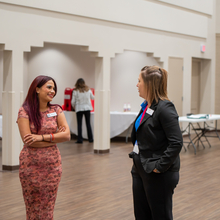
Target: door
[{"x": 195, "y": 87}]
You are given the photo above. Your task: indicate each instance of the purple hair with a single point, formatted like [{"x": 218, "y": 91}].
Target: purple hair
[{"x": 31, "y": 103}]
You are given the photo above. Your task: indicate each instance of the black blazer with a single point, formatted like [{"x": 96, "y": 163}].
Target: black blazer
[{"x": 159, "y": 138}]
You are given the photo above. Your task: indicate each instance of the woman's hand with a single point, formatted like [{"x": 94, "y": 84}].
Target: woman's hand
[
  {"x": 61, "y": 129},
  {"x": 31, "y": 138},
  {"x": 156, "y": 170}
]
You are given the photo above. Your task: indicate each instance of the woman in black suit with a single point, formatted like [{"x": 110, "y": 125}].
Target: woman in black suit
[{"x": 157, "y": 141}]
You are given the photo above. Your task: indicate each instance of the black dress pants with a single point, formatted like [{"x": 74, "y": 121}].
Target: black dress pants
[
  {"x": 79, "y": 116},
  {"x": 152, "y": 192}
]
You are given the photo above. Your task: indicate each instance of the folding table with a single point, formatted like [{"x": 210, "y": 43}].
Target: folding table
[{"x": 199, "y": 131}]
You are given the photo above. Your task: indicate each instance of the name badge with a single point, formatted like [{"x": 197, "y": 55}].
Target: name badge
[
  {"x": 51, "y": 114},
  {"x": 150, "y": 111},
  {"x": 136, "y": 149}
]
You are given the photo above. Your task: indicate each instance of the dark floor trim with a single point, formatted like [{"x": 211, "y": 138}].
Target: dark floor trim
[
  {"x": 101, "y": 151},
  {"x": 10, "y": 168},
  {"x": 120, "y": 139},
  {"x": 114, "y": 139}
]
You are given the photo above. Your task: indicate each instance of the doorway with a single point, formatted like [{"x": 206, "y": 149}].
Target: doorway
[{"x": 195, "y": 86}]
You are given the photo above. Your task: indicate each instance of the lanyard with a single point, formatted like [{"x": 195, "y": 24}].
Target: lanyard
[{"x": 143, "y": 113}]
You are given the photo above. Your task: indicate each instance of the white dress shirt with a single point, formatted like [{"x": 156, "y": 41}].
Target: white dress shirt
[{"x": 81, "y": 101}]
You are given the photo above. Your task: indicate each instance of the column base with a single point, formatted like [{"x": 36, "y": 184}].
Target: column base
[
  {"x": 10, "y": 168},
  {"x": 102, "y": 151}
]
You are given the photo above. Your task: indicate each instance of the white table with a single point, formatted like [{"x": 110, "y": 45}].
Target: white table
[
  {"x": 199, "y": 131},
  {"x": 119, "y": 122}
]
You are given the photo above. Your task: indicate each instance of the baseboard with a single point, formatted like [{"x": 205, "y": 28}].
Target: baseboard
[
  {"x": 114, "y": 139},
  {"x": 102, "y": 151},
  {"x": 120, "y": 139},
  {"x": 10, "y": 168}
]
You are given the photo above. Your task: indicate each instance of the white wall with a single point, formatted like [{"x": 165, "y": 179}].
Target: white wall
[
  {"x": 133, "y": 12},
  {"x": 1, "y": 80},
  {"x": 202, "y": 6},
  {"x": 25, "y": 75},
  {"x": 217, "y": 9},
  {"x": 164, "y": 29},
  {"x": 177, "y": 29},
  {"x": 125, "y": 69},
  {"x": 65, "y": 63}
]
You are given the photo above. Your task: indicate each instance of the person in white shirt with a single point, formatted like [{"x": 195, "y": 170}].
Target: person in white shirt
[{"x": 81, "y": 102}]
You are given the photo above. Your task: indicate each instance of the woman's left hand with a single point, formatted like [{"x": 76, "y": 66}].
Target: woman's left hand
[
  {"x": 156, "y": 171},
  {"x": 61, "y": 129},
  {"x": 31, "y": 138}
]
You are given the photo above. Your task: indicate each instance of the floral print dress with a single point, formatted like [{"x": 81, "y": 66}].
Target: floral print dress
[{"x": 40, "y": 170}]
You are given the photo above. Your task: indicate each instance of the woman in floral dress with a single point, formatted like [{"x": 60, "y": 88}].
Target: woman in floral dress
[{"x": 41, "y": 126}]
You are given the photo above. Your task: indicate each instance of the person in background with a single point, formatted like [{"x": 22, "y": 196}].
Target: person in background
[
  {"x": 81, "y": 102},
  {"x": 157, "y": 141},
  {"x": 42, "y": 125}
]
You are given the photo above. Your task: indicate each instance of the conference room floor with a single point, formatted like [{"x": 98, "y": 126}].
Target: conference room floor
[{"x": 98, "y": 187}]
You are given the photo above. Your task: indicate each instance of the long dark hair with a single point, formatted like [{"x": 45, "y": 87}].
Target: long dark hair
[
  {"x": 81, "y": 85},
  {"x": 31, "y": 103}
]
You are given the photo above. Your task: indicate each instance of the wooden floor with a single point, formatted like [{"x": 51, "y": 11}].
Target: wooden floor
[{"x": 98, "y": 187}]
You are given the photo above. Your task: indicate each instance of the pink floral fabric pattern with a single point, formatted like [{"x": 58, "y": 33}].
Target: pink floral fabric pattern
[{"x": 40, "y": 170}]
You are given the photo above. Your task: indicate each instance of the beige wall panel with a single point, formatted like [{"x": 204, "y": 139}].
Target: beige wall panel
[
  {"x": 217, "y": 10},
  {"x": 217, "y": 82},
  {"x": 1, "y": 79},
  {"x": 195, "y": 87},
  {"x": 107, "y": 37},
  {"x": 65, "y": 63},
  {"x": 133, "y": 12},
  {"x": 125, "y": 69},
  {"x": 206, "y": 87},
  {"x": 202, "y": 6},
  {"x": 175, "y": 83}
]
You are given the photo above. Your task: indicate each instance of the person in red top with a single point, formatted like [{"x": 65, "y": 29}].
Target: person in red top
[
  {"x": 81, "y": 102},
  {"x": 41, "y": 125}
]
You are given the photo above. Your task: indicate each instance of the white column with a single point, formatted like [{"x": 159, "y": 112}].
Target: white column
[
  {"x": 12, "y": 98},
  {"x": 102, "y": 105}
]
